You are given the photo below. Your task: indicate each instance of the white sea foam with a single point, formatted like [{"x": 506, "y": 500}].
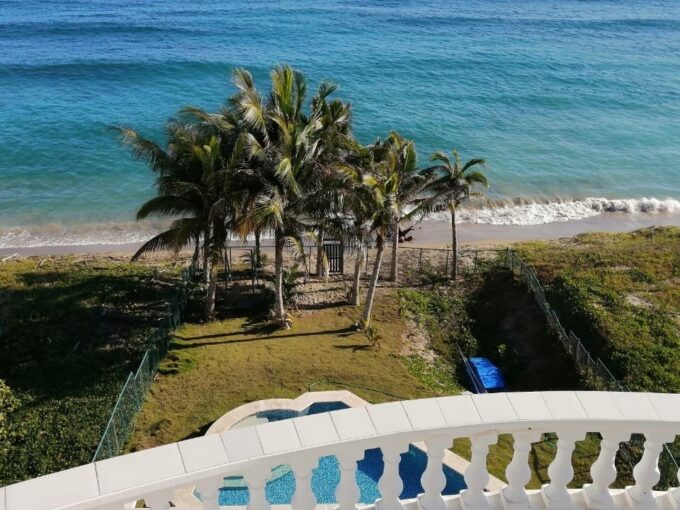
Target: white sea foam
[
  {"x": 520, "y": 213},
  {"x": 538, "y": 213},
  {"x": 77, "y": 235}
]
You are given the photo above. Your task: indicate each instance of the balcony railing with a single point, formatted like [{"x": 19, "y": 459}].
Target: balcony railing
[{"x": 154, "y": 475}]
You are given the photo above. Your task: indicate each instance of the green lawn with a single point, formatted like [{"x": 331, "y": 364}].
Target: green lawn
[
  {"x": 213, "y": 368},
  {"x": 71, "y": 329}
]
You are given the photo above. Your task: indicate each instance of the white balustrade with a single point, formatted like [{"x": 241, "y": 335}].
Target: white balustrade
[
  {"x": 603, "y": 472},
  {"x": 304, "y": 499},
  {"x": 256, "y": 480},
  {"x": 347, "y": 493},
  {"x": 210, "y": 492},
  {"x": 646, "y": 473},
  {"x": 158, "y": 501},
  {"x": 155, "y": 475},
  {"x": 390, "y": 484},
  {"x": 674, "y": 496},
  {"x": 476, "y": 475},
  {"x": 555, "y": 494},
  {"x": 433, "y": 479},
  {"x": 518, "y": 473}
]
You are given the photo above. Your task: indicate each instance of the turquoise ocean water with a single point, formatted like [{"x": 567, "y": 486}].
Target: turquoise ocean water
[{"x": 575, "y": 104}]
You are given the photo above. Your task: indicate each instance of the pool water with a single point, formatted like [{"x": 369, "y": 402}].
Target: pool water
[{"x": 326, "y": 476}]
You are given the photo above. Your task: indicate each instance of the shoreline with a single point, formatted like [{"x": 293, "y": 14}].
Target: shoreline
[{"x": 430, "y": 234}]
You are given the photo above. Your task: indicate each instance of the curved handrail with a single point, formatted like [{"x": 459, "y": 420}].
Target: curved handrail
[{"x": 109, "y": 483}]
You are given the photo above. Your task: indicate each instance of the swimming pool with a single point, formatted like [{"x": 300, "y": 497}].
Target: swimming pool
[{"x": 325, "y": 478}]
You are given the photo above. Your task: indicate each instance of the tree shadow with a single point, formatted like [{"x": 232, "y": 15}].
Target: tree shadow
[
  {"x": 517, "y": 339},
  {"x": 259, "y": 338},
  {"x": 68, "y": 340}
]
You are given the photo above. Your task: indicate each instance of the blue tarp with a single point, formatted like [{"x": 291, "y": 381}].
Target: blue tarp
[{"x": 487, "y": 373}]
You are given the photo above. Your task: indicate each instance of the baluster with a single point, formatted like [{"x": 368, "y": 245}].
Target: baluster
[
  {"x": 646, "y": 473},
  {"x": 304, "y": 498},
  {"x": 674, "y": 496},
  {"x": 518, "y": 473},
  {"x": 603, "y": 473},
  {"x": 158, "y": 500},
  {"x": 347, "y": 493},
  {"x": 390, "y": 484},
  {"x": 256, "y": 480},
  {"x": 555, "y": 494},
  {"x": 433, "y": 479},
  {"x": 476, "y": 475},
  {"x": 210, "y": 493}
]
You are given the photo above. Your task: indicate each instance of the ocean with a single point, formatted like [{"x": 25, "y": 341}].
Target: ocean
[{"x": 574, "y": 104}]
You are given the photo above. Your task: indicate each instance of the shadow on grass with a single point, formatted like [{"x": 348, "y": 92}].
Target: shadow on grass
[
  {"x": 69, "y": 339},
  {"x": 179, "y": 346},
  {"x": 354, "y": 347},
  {"x": 511, "y": 331}
]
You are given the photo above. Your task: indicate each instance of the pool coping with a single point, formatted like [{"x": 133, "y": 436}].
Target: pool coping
[{"x": 233, "y": 417}]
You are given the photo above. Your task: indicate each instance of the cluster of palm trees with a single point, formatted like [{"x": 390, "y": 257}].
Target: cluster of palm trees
[{"x": 286, "y": 167}]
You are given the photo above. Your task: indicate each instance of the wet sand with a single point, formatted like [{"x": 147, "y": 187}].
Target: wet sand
[{"x": 431, "y": 234}]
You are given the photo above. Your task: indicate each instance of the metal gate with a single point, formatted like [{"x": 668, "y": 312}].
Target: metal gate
[{"x": 335, "y": 255}]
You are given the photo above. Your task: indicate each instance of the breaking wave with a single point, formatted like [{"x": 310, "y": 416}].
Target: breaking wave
[
  {"x": 538, "y": 213},
  {"x": 500, "y": 213}
]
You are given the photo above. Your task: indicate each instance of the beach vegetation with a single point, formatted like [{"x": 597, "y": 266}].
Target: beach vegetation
[{"x": 619, "y": 293}]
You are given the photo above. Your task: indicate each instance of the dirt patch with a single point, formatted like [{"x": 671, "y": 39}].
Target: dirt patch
[
  {"x": 417, "y": 342},
  {"x": 637, "y": 301}
]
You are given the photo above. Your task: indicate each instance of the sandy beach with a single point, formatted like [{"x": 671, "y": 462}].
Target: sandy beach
[{"x": 432, "y": 234}]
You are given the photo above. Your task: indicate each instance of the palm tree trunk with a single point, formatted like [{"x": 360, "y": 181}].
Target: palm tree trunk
[
  {"x": 394, "y": 274},
  {"x": 197, "y": 252},
  {"x": 211, "y": 292},
  {"x": 454, "y": 244},
  {"x": 280, "y": 310},
  {"x": 319, "y": 255},
  {"x": 258, "y": 248},
  {"x": 356, "y": 285},
  {"x": 206, "y": 256},
  {"x": 368, "y": 307}
]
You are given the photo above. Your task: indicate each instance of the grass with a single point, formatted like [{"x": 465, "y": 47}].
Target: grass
[
  {"x": 213, "y": 368},
  {"x": 621, "y": 294},
  {"x": 71, "y": 329}
]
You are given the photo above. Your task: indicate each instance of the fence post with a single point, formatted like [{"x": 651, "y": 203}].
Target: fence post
[{"x": 420, "y": 262}]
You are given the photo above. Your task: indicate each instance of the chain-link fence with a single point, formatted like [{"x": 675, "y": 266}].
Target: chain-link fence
[
  {"x": 594, "y": 371},
  {"x": 131, "y": 397}
]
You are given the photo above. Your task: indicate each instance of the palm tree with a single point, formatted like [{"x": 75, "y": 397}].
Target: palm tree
[
  {"x": 191, "y": 183},
  {"x": 452, "y": 183},
  {"x": 376, "y": 180},
  {"x": 286, "y": 150},
  {"x": 412, "y": 184}
]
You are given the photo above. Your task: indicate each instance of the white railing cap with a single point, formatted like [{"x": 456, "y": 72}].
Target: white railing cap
[
  {"x": 139, "y": 468},
  {"x": 203, "y": 453},
  {"x": 424, "y": 414},
  {"x": 316, "y": 430},
  {"x": 54, "y": 490},
  {"x": 354, "y": 423}
]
